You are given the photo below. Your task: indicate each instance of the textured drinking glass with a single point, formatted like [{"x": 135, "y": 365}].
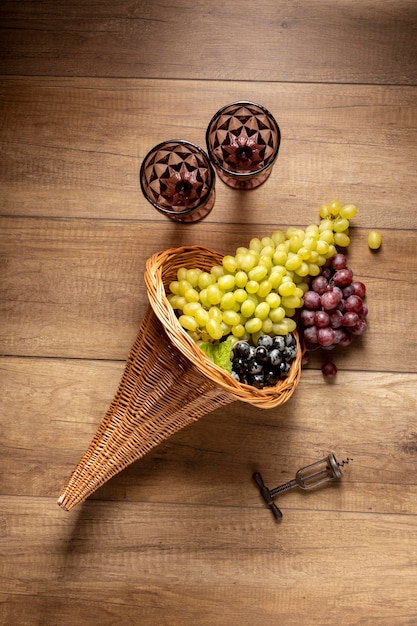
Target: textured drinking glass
[
  {"x": 178, "y": 179},
  {"x": 243, "y": 140}
]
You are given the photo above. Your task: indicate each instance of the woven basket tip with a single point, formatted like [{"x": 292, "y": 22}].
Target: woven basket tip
[{"x": 61, "y": 503}]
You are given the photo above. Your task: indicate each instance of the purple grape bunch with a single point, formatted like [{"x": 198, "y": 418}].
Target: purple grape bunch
[{"x": 333, "y": 310}]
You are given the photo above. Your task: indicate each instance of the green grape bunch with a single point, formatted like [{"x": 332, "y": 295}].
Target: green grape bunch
[{"x": 259, "y": 290}]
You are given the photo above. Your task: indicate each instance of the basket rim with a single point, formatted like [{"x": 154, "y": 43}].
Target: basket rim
[{"x": 157, "y": 296}]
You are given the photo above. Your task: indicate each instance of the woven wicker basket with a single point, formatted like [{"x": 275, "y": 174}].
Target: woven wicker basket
[{"x": 168, "y": 383}]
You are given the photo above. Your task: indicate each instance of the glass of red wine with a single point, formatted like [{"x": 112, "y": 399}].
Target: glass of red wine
[
  {"x": 243, "y": 140},
  {"x": 177, "y": 178}
]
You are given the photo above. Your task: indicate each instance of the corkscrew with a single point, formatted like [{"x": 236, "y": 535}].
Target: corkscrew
[{"x": 307, "y": 477}]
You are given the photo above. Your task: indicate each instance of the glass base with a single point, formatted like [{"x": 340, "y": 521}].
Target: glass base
[
  {"x": 194, "y": 216},
  {"x": 251, "y": 182}
]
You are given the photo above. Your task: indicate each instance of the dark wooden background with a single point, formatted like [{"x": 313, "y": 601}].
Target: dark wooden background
[{"x": 182, "y": 537}]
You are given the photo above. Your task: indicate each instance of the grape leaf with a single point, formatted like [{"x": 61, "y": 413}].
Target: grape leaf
[{"x": 219, "y": 353}]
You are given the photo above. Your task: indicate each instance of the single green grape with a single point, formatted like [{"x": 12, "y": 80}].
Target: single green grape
[
  {"x": 273, "y": 299},
  {"x": 342, "y": 240},
  {"x": 201, "y": 316},
  {"x": 304, "y": 253},
  {"x": 182, "y": 273},
  {"x": 374, "y": 240},
  {"x": 215, "y": 314},
  {"x": 204, "y": 298},
  {"x": 268, "y": 242},
  {"x": 322, "y": 246},
  {"x": 262, "y": 310},
  {"x": 252, "y": 286},
  {"x": 253, "y": 325},
  {"x": 277, "y": 315},
  {"x": 238, "y": 331},
  {"x": 226, "y": 282},
  {"x": 217, "y": 271},
  {"x": 241, "y": 278},
  {"x": 335, "y": 207},
  {"x": 255, "y": 244},
  {"x": 191, "y": 308},
  {"x": 229, "y": 263},
  {"x": 205, "y": 279},
  {"x": 214, "y": 294},
  {"x": 174, "y": 287},
  {"x": 340, "y": 224},
  {"x": 240, "y": 295},
  {"x": 267, "y": 326},
  {"x": 280, "y": 257},
  {"x": 278, "y": 237},
  {"x": 324, "y": 211},
  {"x": 286, "y": 288},
  {"x": 348, "y": 211},
  {"x": 192, "y": 276},
  {"x": 326, "y": 224},
  {"x": 312, "y": 230},
  {"x": 309, "y": 243},
  {"x": 188, "y": 322},
  {"x": 257, "y": 273},
  {"x": 295, "y": 243},
  {"x": 291, "y": 302},
  {"x": 214, "y": 329},
  {"x": 192, "y": 295},
  {"x": 231, "y": 318},
  {"x": 228, "y": 301},
  {"x": 265, "y": 288},
  {"x": 247, "y": 308},
  {"x": 326, "y": 235}
]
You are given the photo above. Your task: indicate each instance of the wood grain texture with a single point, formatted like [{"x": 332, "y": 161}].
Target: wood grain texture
[
  {"x": 183, "y": 537},
  {"x": 308, "y": 41},
  {"x": 252, "y": 584}
]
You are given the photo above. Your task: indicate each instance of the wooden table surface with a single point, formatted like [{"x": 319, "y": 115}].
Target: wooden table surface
[{"x": 182, "y": 537}]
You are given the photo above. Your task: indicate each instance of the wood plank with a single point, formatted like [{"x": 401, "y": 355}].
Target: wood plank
[
  {"x": 320, "y": 41},
  {"x": 51, "y": 410},
  {"x": 75, "y": 288},
  {"x": 182, "y": 564},
  {"x": 73, "y": 147}
]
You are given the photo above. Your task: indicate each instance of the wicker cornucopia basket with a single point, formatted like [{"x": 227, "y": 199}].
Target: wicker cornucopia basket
[{"x": 168, "y": 383}]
